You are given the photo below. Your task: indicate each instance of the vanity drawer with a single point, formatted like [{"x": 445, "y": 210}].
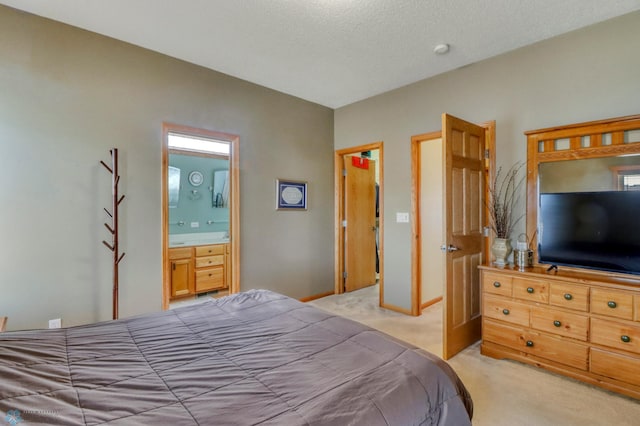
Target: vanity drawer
[
  {"x": 569, "y": 296},
  {"x": 205, "y": 261},
  {"x": 553, "y": 348},
  {"x": 565, "y": 324},
  {"x": 531, "y": 290},
  {"x": 496, "y": 284},
  {"x": 505, "y": 310},
  {"x": 612, "y": 303},
  {"x": 615, "y": 335},
  {"x": 617, "y": 366},
  {"x": 179, "y": 253},
  {"x": 209, "y": 250},
  {"x": 209, "y": 279}
]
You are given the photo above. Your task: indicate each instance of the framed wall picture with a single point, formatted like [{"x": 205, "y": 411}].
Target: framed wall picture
[{"x": 291, "y": 194}]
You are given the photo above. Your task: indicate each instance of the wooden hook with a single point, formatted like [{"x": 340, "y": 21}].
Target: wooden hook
[
  {"x": 120, "y": 200},
  {"x": 120, "y": 258},
  {"x": 109, "y": 228},
  {"x": 108, "y": 245},
  {"x": 107, "y": 167},
  {"x": 108, "y": 212}
]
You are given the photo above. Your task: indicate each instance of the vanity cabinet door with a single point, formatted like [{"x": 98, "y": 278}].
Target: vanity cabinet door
[{"x": 181, "y": 277}]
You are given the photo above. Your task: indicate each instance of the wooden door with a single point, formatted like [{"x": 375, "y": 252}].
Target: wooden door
[
  {"x": 464, "y": 145},
  {"x": 360, "y": 215}
]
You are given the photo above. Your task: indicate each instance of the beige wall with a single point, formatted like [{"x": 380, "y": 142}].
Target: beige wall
[
  {"x": 66, "y": 97},
  {"x": 585, "y": 75}
]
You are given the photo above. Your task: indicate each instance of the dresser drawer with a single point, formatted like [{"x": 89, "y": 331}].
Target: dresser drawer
[
  {"x": 209, "y": 279},
  {"x": 544, "y": 346},
  {"x": 612, "y": 303},
  {"x": 496, "y": 284},
  {"x": 531, "y": 290},
  {"x": 617, "y": 366},
  {"x": 615, "y": 335},
  {"x": 569, "y": 296},
  {"x": 205, "y": 261},
  {"x": 562, "y": 323},
  {"x": 505, "y": 310},
  {"x": 209, "y": 250}
]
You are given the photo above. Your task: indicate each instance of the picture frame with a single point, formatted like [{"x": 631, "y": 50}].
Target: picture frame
[{"x": 291, "y": 194}]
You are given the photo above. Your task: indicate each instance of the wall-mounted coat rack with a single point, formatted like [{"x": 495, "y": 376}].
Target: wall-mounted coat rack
[{"x": 113, "y": 228}]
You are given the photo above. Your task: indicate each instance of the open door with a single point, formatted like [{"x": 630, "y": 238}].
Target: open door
[
  {"x": 360, "y": 229},
  {"x": 464, "y": 145}
]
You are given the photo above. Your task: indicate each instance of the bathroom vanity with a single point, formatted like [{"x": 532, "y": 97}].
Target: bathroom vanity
[{"x": 198, "y": 269}]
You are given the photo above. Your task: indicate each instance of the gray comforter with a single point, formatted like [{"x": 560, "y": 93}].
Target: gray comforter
[{"x": 251, "y": 358}]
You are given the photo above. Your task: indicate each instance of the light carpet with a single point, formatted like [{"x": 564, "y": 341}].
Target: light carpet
[{"x": 504, "y": 392}]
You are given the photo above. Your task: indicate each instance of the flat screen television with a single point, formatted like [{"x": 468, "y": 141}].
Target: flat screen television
[{"x": 596, "y": 230}]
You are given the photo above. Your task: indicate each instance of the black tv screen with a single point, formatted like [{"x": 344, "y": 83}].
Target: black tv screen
[{"x": 596, "y": 230}]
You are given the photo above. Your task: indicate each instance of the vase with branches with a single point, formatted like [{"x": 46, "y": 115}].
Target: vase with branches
[{"x": 504, "y": 197}]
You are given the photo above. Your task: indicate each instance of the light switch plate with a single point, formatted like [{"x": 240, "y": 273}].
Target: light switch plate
[
  {"x": 402, "y": 217},
  {"x": 55, "y": 323},
  {"x": 195, "y": 224}
]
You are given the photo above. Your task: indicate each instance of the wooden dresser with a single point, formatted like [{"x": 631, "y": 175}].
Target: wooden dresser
[{"x": 585, "y": 326}]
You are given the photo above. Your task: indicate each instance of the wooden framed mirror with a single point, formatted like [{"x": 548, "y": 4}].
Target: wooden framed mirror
[{"x": 600, "y": 155}]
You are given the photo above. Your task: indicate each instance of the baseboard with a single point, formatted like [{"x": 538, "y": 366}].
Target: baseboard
[
  {"x": 316, "y": 296},
  {"x": 430, "y": 302},
  {"x": 396, "y": 308}
]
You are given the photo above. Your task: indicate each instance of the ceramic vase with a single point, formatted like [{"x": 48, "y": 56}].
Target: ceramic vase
[{"x": 501, "y": 249}]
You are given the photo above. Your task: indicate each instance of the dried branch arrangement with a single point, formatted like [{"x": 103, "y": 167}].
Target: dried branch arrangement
[{"x": 504, "y": 195}]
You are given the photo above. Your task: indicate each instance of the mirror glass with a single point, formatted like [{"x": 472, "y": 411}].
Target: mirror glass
[
  {"x": 202, "y": 202},
  {"x": 174, "y": 186},
  {"x": 590, "y": 174}
]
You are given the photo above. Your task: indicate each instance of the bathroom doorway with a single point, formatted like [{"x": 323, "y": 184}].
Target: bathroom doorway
[{"x": 200, "y": 208}]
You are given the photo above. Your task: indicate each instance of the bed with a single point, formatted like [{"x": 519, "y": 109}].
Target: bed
[{"x": 251, "y": 358}]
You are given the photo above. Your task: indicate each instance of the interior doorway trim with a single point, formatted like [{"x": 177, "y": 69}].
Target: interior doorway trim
[
  {"x": 416, "y": 232},
  {"x": 234, "y": 208},
  {"x": 339, "y": 213}
]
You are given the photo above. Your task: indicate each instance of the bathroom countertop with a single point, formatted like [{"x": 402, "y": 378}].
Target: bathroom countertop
[{"x": 198, "y": 239}]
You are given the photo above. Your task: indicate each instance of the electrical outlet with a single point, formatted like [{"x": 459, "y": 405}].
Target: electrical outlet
[
  {"x": 195, "y": 224},
  {"x": 55, "y": 323}
]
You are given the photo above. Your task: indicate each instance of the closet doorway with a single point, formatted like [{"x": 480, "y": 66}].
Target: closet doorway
[
  {"x": 359, "y": 218},
  {"x": 214, "y": 188}
]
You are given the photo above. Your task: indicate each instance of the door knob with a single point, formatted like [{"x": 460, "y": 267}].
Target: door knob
[{"x": 449, "y": 249}]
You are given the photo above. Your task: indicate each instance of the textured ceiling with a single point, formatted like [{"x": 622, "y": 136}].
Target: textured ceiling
[{"x": 332, "y": 52}]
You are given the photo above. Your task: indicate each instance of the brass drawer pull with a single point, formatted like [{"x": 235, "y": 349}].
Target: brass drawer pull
[
  {"x": 557, "y": 323},
  {"x": 530, "y": 290},
  {"x": 625, "y": 338},
  {"x": 496, "y": 284},
  {"x": 529, "y": 343},
  {"x": 505, "y": 311},
  {"x": 612, "y": 304},
  {"x": 568, "y": 296}
]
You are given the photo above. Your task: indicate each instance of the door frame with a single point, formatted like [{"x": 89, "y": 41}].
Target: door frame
[
  {"x": 416, "y": 233},
  {"x": 234, "y": 207},
  {"x": 339, "y": 213}
]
